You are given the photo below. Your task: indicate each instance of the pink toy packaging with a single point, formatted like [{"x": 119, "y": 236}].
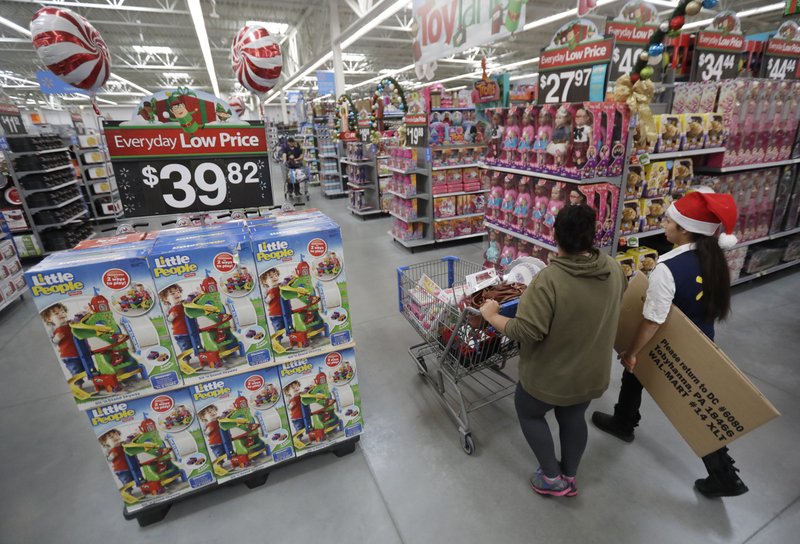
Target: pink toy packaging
[
  {"x": 444, "y": 230},
  {"x": 544, "y": 134},
  {"x": 494, "y": 137},
  {"x": 491, "y": 257},
  {"x": 619, "y": 139},
  {"x": 444, "y": 207},
  {"x": 528, "y": 134},
  {"x": 511, "y": 138},
  {"x": 607, "y": 136},
  {"x": 611, "y": 199},
  {"x": 509, "y": 199},
  {"x": 541, "y": 200},
  {"x": 708, "y": 97},
  {"x": 495, "y": 201},
  {"x": 454, "y": 176},
  {"x": 590, "y": 194},
  {"x": 555, "y": 205},
  {"x": 560, "y": 144},
  {"x": 523, "y": 205},
  {"x": 575, "y": 195},
  {"x": 509, "y": 253},
  {"x": 439, "y": 181},
  {"x": 582, "y": 136},
  {"x": 463, "y": 227}
]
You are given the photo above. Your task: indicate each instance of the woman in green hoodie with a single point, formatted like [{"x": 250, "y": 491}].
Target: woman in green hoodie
[{"x": 566, "y": 323}]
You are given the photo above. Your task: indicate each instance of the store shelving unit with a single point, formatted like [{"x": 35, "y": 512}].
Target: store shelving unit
[
  {"x": 777, "y": 268},
  {"x": 98, "y": 179},
  {"x": 745, "y": 167},
  {"x": 309, "y": 143},
  {"x": 330, "y": 171},
  {"x": 12, "y": 282},
  {"x": 365, "y": 197}
]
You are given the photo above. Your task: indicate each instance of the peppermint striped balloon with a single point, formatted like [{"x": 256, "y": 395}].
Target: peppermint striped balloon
[
  {"x": 237, "y": 105},
  {"x": 71, "y": 48},
  {"x": 256, "y": 58}
]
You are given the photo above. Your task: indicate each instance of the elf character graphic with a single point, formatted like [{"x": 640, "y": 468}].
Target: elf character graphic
[
  {"x": 180, "y": 113},
  {"x": 222, "y": 114}
]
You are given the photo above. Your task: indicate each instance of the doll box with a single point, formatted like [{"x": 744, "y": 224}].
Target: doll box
[
  {"x": 244, "y": 422},
  {"x": 323, "y": 400},
  {"x": 301, "y": 270},
  {"x": 208, "y": 291},
  {"x": 101, "y": 313},
  {"x": 154, "y": 447}
]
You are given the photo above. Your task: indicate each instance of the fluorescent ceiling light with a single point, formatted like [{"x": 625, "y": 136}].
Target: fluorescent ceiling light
[
  {"x": 177, "y": 75},
  {"x": 272, "y": 27},
  {"x": 14, "y": 26},
  {"x": 523, "y": 76},
  {"x": 459, "y": 88},
  {"x": 131, "y": 83},
  {"x": 153, "y": 49},
  {"x": 107, "y": 101},
  {"x": 664, "y": 3},
  {"x": 513, "y": 65},
  {"x": 746, "y": 13},
  {"x": 383, "y": 74},
  {"x": 202, "y": 35},
  {"x": 375, "y": 21},
  {"x": 353, "y": 57},
  {"x": 562, "y": 15}
]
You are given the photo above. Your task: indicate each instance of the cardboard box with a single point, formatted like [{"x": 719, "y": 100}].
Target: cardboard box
[{"x": 709, "y": 401}]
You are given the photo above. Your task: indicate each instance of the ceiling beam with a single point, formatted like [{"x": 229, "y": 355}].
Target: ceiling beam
[{"x": 106, "y": 6}]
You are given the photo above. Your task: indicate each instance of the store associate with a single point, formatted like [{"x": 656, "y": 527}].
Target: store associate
[{"x": 566, "y": 323}]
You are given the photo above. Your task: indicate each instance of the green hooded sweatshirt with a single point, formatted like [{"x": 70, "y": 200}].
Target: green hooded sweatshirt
[{"x": 566, "y": 324}]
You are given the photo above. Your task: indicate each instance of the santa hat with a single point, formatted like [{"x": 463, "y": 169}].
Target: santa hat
[{"x": 706, "y": 213}]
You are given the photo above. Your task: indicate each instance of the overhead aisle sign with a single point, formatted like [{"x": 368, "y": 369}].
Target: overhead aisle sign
[{"x": 188, "y": 152}]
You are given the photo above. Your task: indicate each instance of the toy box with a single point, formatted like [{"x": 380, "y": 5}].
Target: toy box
[
  {"x": 682, "y": 173},
  {"x": 153, "y": 446},
  {"x": 634, "y": 186},
  {"x": 454, "y": 176},
  {"x": 669, "y": 132},
  {"x": 645, "y": 259},
  {"x": 630, "y": 217},
  {"x": 243, "y": 421},
  {"x": 444, "y": 207},
  {"x": 628, "y": 264},
  {"x": 304, "y": 286},
  {"x": 444, "y": 229},
  {"x": 694, "y": 127},
  {"x": 656, "y": 179},
  {"x": 206, "y": 284},
  {"x": 653, "y": 210},
  {"x": 323, "y": 400},
  {"x": 101, "y": 313},
  {"x": 715, "y": 127}
]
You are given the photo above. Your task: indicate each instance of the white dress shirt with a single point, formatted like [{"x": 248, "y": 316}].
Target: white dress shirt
[{"x": 661, "y": 290}]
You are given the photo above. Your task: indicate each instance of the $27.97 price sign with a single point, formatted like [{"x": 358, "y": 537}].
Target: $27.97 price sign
[
  {"x": 575, "y": 74},
  {"x": 716, "y": 56},
  {"x": 164, "y": 170}
]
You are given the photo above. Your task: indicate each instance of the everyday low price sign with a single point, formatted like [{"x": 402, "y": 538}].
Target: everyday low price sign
[
  {"x": 717, "y": 51},
  {"x": 631, "y": 29},
  {"x": 201, "y": 158}
]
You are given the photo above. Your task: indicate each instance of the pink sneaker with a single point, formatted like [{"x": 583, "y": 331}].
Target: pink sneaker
[
  {"x": 573, "y": 486},
  {"x": 541, "y": 484}
]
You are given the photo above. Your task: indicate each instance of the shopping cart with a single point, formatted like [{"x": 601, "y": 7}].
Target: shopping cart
[
  {"x": 292, "y": 176},
  {"x": 462, "y": 356}
]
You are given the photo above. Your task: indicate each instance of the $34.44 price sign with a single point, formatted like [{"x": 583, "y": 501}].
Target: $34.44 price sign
[
  {"x": 716, "y": 56},
  {"x": 713, "y": 66},
  {"x": 163, "y": 186}
]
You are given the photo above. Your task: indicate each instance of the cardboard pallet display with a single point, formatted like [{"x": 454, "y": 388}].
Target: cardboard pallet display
[{"x": 709, "y": 401}]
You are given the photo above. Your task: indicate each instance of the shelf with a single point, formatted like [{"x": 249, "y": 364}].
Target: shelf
[
  {"x": 767, "y": 238},
  {"x": 57, "y": 187},
  {"x": 364, "y": 211},
  {"x": 107, "y": 194},
  {"x": 385, "y": 175},
  {"x": 54, "y": 169},
  {"x": 383, "y": 157},
  {"x": 423, "y": 196},
  {"x": 410, "y": 243},
  {"x": 682, "y": 154},
  {"x": 330, "y": 174},
  {"x": 409, "y": 220},
  {"x": 68, "y": 221},
  {"x": 360, "y": 162},
  {"x": 515, "y": 234},
  {"x": 457, "y": 146},
  {"x": 465, "y": 108},
  {"x": 400, "y": 171},
  {"x": 461, "y": 193},
  {"x": 464, "y": 237},
  {"x": 454, "y": 166},
  {"x": 333, "y": 193},
  {"x": 55, "y": 206},
  {"x": 645, "y": 234},
  {"x": 328, "y": 156},
  {"x": 465, "y": 216},
  {"x": 776, "y": 268},
  {"x": 744, "y": 167},
  {"x": 16, "y": 154},
  {"x": 361, "y": 186},
  {"x": 592, "y": 181}
]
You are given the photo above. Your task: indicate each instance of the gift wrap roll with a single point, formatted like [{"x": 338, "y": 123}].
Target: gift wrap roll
[
  {"x": 244, "y": 314},
  {"x": 183, "y": 445},
  {"x": 329, "y": 294},
  {"x": 344, "y": 397}
]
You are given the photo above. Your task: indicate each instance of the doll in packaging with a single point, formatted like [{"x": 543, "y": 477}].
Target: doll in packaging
[
  {"x": 511, "y": 139},
  {"x": 526, "y": 139},
  {"x": 492, "y": 254},
  {"x": 495, "y": 200},
  {"x": 540, "y": 202},
  {"x": 509, "y": 199},
  {"x": 553, "y": 207},
  {"x": 582, "y": 134},
  {"x": 544, "y": 132},
  {"x": 509, "y": 252},
  {"x": 522, "y": 208},
  {"x": 494, "y": 137},
  {"x": 558, "y": 148}
]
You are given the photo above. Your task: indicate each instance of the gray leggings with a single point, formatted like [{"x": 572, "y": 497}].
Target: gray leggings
[{"x": 571, "y": 430}]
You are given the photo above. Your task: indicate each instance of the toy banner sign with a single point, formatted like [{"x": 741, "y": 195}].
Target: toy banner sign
[
  {"x": 631, "y": 29},
  {"x": 782, "y": 57},
  {"x": 574, "y": 67},
  {"x": 446, "y": 27},
  {"x": 586, "y": 6},
  {"x": 716, "y": 51},
  {"x": 188, "y": 152}
]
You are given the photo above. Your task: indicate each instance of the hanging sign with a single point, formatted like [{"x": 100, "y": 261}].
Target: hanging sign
[
  {"x": 326, "y": 82},
  {"x": 11, "y": 119},
  {"x": 49, "y": 83},
  {"x": 574, "y": 67},
  {"x": 792, "y": 7},
  {"x": 782, "y": 57},
  {"x": 586, "y": 6},
  {"x": 444, "y": 27},
  {"x": 717, "y": 51},
  {"x": 631, "y": 29},
  {"x": 187, "y": 151}
]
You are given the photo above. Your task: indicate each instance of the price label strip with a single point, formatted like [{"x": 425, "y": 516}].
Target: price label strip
[
  {"x": 212, "y": 169},
  {"x": 630, "y": 41},
  {"x": 716, "y": 56},
  {"x": 576, "y": 74},
  {"x": 781, "y": 60}
]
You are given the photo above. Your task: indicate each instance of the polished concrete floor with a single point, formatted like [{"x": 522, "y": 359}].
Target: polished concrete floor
[{"x": 409, "y": 480}]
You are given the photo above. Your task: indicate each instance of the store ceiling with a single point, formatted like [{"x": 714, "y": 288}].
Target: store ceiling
[{"x": 127, "y": 25}]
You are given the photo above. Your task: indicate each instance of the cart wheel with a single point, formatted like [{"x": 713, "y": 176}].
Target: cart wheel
[
  {"x": 423, "y": 368},
  {"x": 468, "y": 444}
]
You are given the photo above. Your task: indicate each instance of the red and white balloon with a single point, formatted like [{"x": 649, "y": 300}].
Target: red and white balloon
[
  {"x": 237, "y": 105},
  {"x": 71, "y": 48},
  {"x": 256, "y": 58}
]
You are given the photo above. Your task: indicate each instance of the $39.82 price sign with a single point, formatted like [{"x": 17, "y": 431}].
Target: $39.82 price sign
[{"x": 575, "y": 75}]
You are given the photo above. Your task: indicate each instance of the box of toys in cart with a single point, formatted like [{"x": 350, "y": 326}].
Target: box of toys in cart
[
  {"x": 100, "y": 309},
  {"x": 154, "y": 447},
  {"x": 207, "y": 288},
  {"x": 323, "y": 400},
  {"x": 243, "y": 421},
  {"x": 301, "y": 270}
]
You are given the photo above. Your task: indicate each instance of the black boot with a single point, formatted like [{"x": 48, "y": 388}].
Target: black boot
[
  {"x": 613, "y": 425},
  {"x": 626, "y": 411},
  {"x": 722, "y": 479}
]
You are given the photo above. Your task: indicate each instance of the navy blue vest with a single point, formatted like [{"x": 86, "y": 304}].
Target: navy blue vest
[{"x": 688, "y": 277}]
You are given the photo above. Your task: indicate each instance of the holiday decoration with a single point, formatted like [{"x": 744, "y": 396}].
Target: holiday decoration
[
  {"x": 71, "y": 48},
  {"x": 237, "y": 105},
  {"x": 256, "y": 58},
  {"x": 693, "y": 8}
]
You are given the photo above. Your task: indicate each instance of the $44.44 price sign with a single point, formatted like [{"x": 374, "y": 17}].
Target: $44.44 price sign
[
  {"x": 782, "y": 60},
  {"x": 575, "y": 75},
  {"x": 716, "y": 56},
  {"x": 164, "y": 170}
]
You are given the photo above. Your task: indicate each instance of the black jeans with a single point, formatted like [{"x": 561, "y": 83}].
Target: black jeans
[{"x": 572, "y": 432}]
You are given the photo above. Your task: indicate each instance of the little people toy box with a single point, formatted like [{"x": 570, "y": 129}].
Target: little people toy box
[
  {"x": 244, "y": 422},
  {"x": 323, "y": 399},
  {"x": 154, "y": 447},
  {"x": 206, "y": 286},
  {"x": 301, "y": 270},
  {"x": 100, "y": 310}
]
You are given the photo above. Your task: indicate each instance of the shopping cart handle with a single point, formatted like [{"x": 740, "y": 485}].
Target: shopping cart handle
[{"x": 507, "y": 309}]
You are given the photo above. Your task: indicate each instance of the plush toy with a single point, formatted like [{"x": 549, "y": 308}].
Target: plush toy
[
  {"x": 655, "y": 214},
  {"x": 633, "y": 185},
  {"x": 648, "y": 264},
  {"x": 629, "y": 217},
  {"x": 681, "y": 177}
]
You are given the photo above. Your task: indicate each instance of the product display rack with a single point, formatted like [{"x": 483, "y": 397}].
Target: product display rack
[
  {"x": 98, "y": 179},
  {"x": 363, "y": 184},
  {"x": 309, "y": 140},
  {"x": 330, "y": 171},
  {"x": 12, "y": 282},
  {"x": 53, "y": 214}
]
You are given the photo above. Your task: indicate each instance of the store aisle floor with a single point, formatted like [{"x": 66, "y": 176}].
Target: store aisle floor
[{"x": 409, "y": 480}]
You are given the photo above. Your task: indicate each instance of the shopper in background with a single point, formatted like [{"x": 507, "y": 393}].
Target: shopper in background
[
  {"x": 561, "y": 369},
  {"x": 693, "y": 276},
  {"x": 293, "y": 158}
]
